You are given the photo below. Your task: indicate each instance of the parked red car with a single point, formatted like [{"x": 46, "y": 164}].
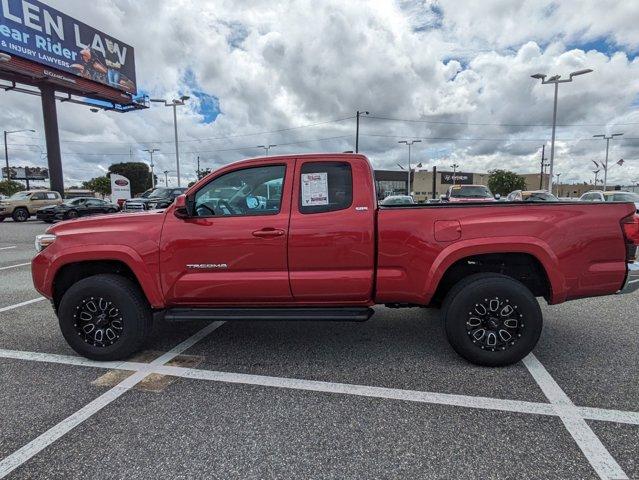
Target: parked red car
[{"x": 301, "y": 237}]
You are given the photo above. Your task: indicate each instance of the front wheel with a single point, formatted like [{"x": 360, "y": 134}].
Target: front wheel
[
  {"x": 492, "y": 320},
  {"x": 105, "y": 317}
]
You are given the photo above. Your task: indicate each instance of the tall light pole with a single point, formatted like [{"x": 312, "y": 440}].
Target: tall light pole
[
  {"x": 357, "y": 115},
  {"x": 607, "y": 138},
  {"x": 151, "y": 152},
  {"x": 557, "y": 175},
  {"x": 454, "y": 166},
  {"x": 6, "y": 148},
  {"x": 174, "y": 103},
  {"x": 409, "y": 143},
  {"x": 266, "y": 148},
  {"x": 556, "y": 80}
]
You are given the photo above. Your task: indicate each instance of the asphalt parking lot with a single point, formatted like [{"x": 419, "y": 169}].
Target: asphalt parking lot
[{"x": 383, "y": 399}]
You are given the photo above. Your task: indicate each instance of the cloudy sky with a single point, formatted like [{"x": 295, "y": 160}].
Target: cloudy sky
[{"x": 454, "y": 74}]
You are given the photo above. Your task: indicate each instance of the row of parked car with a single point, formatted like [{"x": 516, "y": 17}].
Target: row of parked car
[
  {"x": 481, "y": 193},
  {"x": 49, "y": 206}
]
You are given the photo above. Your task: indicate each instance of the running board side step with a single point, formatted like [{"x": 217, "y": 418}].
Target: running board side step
[{"x": 347, "y": 314}]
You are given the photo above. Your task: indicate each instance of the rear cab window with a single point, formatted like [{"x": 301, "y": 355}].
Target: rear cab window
[{"x": 325, "y": 187}]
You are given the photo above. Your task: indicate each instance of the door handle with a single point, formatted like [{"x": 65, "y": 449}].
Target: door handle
[{"x": 268, "y": 233}]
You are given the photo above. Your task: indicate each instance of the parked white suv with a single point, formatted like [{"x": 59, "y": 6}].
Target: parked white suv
[{"x": 612, "y": 196}]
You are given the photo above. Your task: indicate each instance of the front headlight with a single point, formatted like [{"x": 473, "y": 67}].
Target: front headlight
[{"x": 43, "y": 241}]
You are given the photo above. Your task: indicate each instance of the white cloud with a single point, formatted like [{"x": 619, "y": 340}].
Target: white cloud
[{"x": 275, "y": 66}]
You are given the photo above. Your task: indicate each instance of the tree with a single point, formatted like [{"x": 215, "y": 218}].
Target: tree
[
  {"x": 137, "y": 172},
  {"x": 503, "y": 182},
  {"x": 9, "y": 187},
  {"x": 101, "y": 185}
]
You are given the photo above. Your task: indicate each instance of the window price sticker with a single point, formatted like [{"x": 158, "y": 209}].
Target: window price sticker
[{"x": 314, "y": 189}]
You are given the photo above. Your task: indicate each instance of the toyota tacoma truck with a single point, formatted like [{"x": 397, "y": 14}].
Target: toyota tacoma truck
[{"x": 302, "y": 237}]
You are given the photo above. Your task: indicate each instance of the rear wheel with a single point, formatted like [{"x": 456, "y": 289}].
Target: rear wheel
[
  {"x": 20, "y": 214},
  {"x": 105, "y": 317},
  {"x": 492, "y": 320}
]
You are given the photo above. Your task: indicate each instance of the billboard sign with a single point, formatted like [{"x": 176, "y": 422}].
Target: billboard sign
[
  {"x": 24, "y": 173},
  {"x": 34, "y": 31},
  {"x": 460, "y": 178},
  {"x": 120, "y": 187}
]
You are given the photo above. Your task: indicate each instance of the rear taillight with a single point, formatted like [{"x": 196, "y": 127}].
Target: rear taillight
[{"x": 630, "y": 227}]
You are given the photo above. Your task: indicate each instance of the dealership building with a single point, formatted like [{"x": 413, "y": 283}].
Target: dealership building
[{"x": 427, "y": 184}]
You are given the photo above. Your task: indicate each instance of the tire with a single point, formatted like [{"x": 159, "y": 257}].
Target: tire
[
  {"x": 71, "y": 214},
  {"x": 509, "y": 307},
  {"x": 104, "y": 293},
  {"x": 20, "y": 214},
  {"x": 112, "y": 210}
]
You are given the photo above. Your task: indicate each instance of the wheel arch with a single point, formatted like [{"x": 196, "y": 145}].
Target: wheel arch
[
  {"x": 531, "y": 263},
  {"x": 66, "y": 273}
]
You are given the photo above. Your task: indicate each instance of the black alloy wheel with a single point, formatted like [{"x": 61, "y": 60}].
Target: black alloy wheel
[
  {"x": 492, "y": 319},
  {"x": 105, "y": 317}
]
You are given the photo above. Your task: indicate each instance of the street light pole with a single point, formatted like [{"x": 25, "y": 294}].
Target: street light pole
[
  {"x": 174, "y": 103},
  {"x": 6, "y": 148},
  {"x": 266, "y": 148},
  {"x": 607, "y": 138},
  {"x": 454, "y": 166},
  {"x": 409, "y": 143},
  {"x": 557, "y": 175},
  {"x": 166, "y": 178},
  {"x": 357, "y": 129},
  {"x": 151, "y": 152},
  {"x": 556, "y": 80}
]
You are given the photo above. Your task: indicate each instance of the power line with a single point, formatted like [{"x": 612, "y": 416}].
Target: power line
[
  {"x": 247, "y": 147},
  {"x": 240, "y": 135},
  {"x": 442, "y": 122},
  {"x": 462, "y": 139}
]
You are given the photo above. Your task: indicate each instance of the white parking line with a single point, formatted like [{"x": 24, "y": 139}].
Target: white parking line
[
  {"x": 7, "y": 248},
  {"x": 592, "y": 448},
  {"x": 21, "y": 304},
  {"x": 15, "y": 266},
  {"x": 519, "y": 406},
  {"x": 17, "y": 458}
]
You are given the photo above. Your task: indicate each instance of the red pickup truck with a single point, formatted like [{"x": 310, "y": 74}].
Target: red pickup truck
[{"x": 302, "y": 237}]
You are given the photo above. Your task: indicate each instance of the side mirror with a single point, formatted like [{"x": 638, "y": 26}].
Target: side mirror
[
  {"x": 181, "y": 210},
  {"x": 497, "y": 196}
]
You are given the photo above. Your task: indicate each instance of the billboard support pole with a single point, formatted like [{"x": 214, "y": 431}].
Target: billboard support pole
[{"x": 54, "y": 158}]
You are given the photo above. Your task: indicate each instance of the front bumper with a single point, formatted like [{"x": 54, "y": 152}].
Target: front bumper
[{"x": 632, "y": 279}]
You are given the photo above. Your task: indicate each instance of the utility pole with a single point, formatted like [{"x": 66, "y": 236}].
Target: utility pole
[
  {"x": 543, "y": 168},
  {"x": 409, "y": 143},
  {"x": 454, "y": 166},
  {"x": 357, "y": 129},
  {"x": 556, "y": 80},
  {"x": 151, "y": 152},
  {"x": 266, "y": 148},
  {"x": 607, "y": 138},
  {"x": 198, "y": 167}
]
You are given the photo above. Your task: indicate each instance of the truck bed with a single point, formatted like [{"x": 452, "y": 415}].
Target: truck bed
[{"x": 580, "y": 246}]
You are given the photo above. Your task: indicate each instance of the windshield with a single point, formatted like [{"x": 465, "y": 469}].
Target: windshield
[
  {"x": 539, "y": 197},
  {"x": 622, "y": 197},
  {"x": 404, "y": 200},
  {"x": 20, "y": 195},
  {"x": 159, "y": 193},
  {"x": 470, "y": 191}
]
